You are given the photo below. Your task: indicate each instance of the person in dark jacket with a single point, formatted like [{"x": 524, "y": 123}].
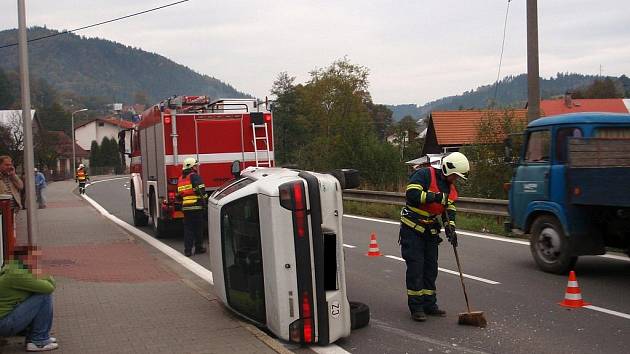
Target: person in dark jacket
[
  {"x": 191, "y": 192},
  {"x": 430, "y": 194}
]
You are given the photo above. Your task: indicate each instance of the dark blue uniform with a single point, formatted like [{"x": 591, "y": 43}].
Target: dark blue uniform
[
  {"x": 194, "y": 215},
  {"x": 419, "y": 239}
]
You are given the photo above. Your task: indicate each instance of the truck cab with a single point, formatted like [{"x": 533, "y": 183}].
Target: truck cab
[{"x": 569, "y": 190}]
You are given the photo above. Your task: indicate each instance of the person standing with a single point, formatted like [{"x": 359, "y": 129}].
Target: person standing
[
  {"x": 40, "y": 185},
  {"x": 26, "y": 300},
  {"x": 11, "y": 183},
  {"x": 82, "y": 178},
  {"x": 191, "y": 192},
  {"x": 430, "y": 194}
]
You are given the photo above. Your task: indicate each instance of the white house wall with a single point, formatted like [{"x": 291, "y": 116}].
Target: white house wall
[{"x": 84, "y": 135}]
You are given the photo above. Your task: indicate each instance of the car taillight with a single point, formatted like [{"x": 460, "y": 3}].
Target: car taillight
[
  {"x": 307, "y": 318},
  {"x": 267, "y": 118},
  {"x": 301, "y": 331},
  {"x": 171, "y": 196}
]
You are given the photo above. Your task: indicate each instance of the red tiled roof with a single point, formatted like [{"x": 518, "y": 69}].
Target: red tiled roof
[
  {"x": 558, "y": 106},
  {"x": 63, "y": 145},
  {"x": 460, "y": 127},
  {"x": 125, "y": 124}
]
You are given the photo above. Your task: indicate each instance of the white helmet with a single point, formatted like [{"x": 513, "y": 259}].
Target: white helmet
[
  {"x": 189, "y": 163},
  {"x": 81, "y": 165},
  {"x": 457, "y": 163}
]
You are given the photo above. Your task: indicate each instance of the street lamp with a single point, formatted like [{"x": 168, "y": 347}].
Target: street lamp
[{"x": 74, "y": 158}]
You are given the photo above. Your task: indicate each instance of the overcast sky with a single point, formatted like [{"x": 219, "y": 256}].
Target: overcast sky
[{"x": 417, "y": 51}]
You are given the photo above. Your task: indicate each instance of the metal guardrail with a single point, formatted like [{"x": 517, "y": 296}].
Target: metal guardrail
[{"x": 494, "y": 207}]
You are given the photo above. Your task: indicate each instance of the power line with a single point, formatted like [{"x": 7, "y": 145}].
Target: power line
[
  {"x": 496, "y": 85},
  {"x": 97, "y": 24}
]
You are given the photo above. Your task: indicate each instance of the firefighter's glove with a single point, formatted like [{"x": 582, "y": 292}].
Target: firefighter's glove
[
  {"x": 441, "y": 198},
  {"x": 451, "y": 235}
]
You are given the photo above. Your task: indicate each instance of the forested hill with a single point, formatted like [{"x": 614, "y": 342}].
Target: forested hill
[
  {"x": 511, "y": 91},
  {"x": 101, "y": 68}
]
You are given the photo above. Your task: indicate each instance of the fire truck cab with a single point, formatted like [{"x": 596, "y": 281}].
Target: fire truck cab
[{"x": 218, "y": 134}]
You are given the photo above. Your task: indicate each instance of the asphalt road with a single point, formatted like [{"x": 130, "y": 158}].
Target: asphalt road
[{"x": 519, "y": 301}]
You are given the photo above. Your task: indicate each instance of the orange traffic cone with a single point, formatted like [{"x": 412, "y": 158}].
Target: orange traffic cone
[
  {"x": 573, "y": 296},
  {"x": 373, "y": 250}
]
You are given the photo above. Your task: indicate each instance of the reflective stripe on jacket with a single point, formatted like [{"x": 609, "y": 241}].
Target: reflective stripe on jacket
[{"x": 191, "y": 200}]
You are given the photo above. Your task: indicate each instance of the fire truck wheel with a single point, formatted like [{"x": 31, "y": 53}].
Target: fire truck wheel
[
  {"x": 359, "y": 315},
  {"x": 139, "y": 217},
  {"x": 159, "y": 227}
]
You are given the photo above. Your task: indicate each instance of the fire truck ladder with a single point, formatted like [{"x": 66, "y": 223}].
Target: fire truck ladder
[{"x": 260, "y": 132}]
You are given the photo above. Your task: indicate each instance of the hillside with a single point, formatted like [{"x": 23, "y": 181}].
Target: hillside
[
  {"x": 95, "y": 67},
  {"x": 512, "y": 92}
]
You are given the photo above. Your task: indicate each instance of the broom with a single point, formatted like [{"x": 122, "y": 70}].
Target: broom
[{"x": 471, "y": 318}]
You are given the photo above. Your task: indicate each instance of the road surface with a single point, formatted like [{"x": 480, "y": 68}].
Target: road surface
[{"x": 519, "y": 301}]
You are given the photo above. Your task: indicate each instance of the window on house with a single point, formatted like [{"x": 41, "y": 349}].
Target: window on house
[{"x": 101, "y": 124}]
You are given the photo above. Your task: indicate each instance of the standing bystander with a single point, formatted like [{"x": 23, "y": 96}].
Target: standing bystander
[
  {"x": 11, "y": 183},
  {"x": 40, "y": 185}
]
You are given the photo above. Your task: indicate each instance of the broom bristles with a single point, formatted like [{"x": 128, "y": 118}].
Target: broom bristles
[{"x": 475, "y": 318}]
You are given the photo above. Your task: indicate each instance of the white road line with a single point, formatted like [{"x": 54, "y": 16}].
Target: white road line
[
  {"x": 488, "y": 281},
  {"x": 186, "y": 262},
  {"x": 473, "y": 234},
  {"x": 349, "y": 246},
  {"x": 610, "y": 312}
]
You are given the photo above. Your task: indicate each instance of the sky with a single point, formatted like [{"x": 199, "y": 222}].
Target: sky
[{"x": 416, "y": 50}]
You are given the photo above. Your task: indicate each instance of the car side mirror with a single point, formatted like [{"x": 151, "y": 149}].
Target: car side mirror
[{"x": 236, "y": 169}]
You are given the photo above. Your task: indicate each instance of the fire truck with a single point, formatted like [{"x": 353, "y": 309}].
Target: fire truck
[{"x": 224, "y": 135}]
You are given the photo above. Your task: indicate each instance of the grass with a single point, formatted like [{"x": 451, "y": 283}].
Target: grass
[{"x": 465, "y": 221}]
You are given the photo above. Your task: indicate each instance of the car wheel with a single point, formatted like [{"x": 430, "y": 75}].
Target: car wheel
[
  {"x": 359, "y": 315},
  {"x": 550, "y": 247},
  {"x": 159, "y": 227}
]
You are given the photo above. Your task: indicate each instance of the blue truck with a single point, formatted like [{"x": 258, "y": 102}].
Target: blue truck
[{"x": 570, "y": 190}]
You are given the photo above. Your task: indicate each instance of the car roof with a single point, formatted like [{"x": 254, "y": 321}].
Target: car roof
[{"x": 581, "y": 118}]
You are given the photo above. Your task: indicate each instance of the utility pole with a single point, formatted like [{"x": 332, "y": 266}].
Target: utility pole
[
  {"x": 533, "y": 81},
  {"x": 29, "y": 166}
]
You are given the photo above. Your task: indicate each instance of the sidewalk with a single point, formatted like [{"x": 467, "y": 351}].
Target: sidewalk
[{"x": 116, "y": 294}]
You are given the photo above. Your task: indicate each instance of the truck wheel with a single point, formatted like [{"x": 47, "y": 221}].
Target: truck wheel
[
  {"x": 550, "y": 247},
  {"x": 159, "y": 227},
  {"x": 359, "y": 315},
  {"x": 139, "y": 217}
]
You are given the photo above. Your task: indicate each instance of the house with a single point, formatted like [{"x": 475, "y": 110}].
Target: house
[
  {"x": 447, "y": 131},
  {"x": 99, "y": 128},
  {"x": 62, "y": 144},
  {"x": 567, "y": 104}
]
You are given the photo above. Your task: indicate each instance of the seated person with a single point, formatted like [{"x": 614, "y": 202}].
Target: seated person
[{"x": 26, "y": 300}]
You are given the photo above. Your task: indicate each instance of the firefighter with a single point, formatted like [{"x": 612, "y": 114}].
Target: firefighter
[
  {"x": 430, "y": 193},
  {"x": 81, "y": 177},
  {"x": 191, "y": 192}
]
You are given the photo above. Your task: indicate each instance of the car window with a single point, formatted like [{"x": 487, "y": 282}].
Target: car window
[
  {"x": 562, "y": 138},
  {"x": 242, "y": 253},
  {"x": 538, "y": 146}
]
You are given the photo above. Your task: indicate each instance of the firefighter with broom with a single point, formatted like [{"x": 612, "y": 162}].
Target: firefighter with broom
[{"x": 430, "y": 194}]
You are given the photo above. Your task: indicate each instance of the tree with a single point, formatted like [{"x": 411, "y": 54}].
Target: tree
[
  {"x": 605, "y": 88},
  {"x": 487, "y": 155},
  {"x": 327, "y": 123},
  {"x": 381, "y": 118},
  {"x": 95, "y": 155},
  {"x": 6, "y": 93},
  {"x": 45, "y": 154}
]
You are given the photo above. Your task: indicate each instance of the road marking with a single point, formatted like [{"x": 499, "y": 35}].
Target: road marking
[
  {"x": 488, "y": 281},
  {"x": 186, "y": 262},
  {"x": 610, "y": 312},
  {"x": 349, "y": 246},
  {"x": 473, "y": 234}
]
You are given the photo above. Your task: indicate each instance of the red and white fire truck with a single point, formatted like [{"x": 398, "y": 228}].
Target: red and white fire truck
[{"x": 224, "y": 135}]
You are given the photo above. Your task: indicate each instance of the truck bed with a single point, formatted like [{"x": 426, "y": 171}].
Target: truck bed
[{"x": 599, "y": 172}]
